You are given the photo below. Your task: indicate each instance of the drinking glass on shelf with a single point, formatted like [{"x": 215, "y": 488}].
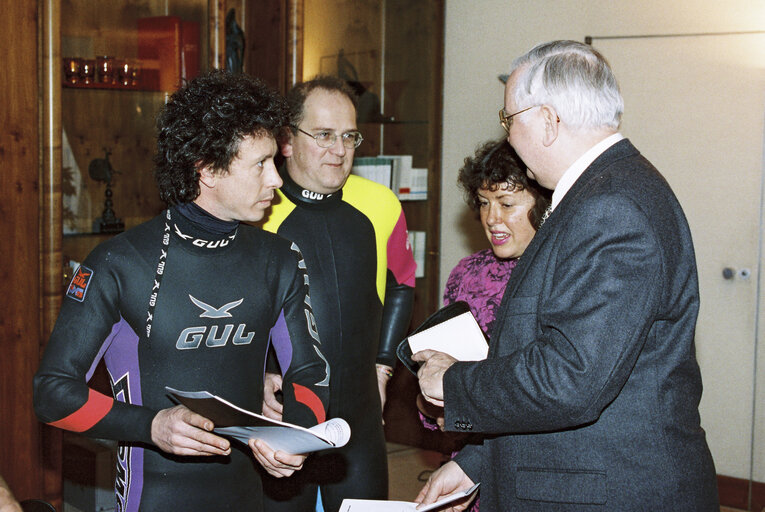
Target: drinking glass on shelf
[
  {"x": 72, "y": 69},
  {"x": 135, "y": 72},
  {"x": 124, "y": 72},
  {"x": 87, "y": 70},
  {"x": 105, "y": 71}
]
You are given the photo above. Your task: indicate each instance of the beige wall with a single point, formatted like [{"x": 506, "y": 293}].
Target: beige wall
[{"x": 481, "y": 42}]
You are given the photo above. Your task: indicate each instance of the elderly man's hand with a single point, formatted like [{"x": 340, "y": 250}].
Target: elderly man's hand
[
  {"x": 447, "y": 479},
  {"x": 431, "y": 374}
]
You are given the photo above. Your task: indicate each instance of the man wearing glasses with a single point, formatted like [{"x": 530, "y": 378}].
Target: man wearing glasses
[
  {"x": 589, "y": 395},
  {"x": 352, "y": 233}
]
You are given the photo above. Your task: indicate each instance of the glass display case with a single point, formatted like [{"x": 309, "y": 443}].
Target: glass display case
[{"x": 120, "y": 61}]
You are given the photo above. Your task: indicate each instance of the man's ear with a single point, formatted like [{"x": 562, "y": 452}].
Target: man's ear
[
  {"x": 552, "y": 123},
  {"x": 285, "y": 145},
  {"x": 208, "y": 177}
]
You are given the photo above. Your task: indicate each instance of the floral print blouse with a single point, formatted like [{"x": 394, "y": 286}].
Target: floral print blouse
[{"x": 480, "y": 280}]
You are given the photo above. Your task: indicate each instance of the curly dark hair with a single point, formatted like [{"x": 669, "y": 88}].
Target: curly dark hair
[
  {"x": 297, "y": 95},
  {"x": 494, "y": 164},
  {"x": 202, "y": 125}
]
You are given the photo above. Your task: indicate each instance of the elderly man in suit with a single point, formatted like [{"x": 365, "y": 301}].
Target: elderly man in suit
[{"x": 589, "y": 396}]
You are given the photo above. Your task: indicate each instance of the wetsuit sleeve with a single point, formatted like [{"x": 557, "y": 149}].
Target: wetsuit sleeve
[
  {"x": 397, "y": 313},
  {"x": 89, "y": 319},
  {"x": 295, "y": 339},
  {"x": 400, "y": 258},
  {"x": 399, "y": 293}
]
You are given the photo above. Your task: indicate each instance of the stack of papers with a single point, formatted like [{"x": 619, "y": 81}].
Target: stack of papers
[
  {"x": 349, "y": 505},
  {"x": 243, "y": 425}
]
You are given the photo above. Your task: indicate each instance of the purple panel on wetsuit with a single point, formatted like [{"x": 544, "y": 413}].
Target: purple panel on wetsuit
[
  {"x": 128, "y": 483},
  {"x": 121, "y": 358},
  {"x": 115, "y": 329},
  {"x": 280, "y": 339}
]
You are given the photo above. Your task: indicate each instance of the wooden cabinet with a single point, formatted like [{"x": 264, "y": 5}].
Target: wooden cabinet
[{"x": 108, "y": 122}]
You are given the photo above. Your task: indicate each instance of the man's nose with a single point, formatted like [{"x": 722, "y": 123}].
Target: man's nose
[
  {"x": 273, "y": 180},
  {"x": 338, "y": 148}
]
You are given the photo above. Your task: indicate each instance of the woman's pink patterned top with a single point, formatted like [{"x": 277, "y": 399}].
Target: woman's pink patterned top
[{"x": 480, "y": 280}]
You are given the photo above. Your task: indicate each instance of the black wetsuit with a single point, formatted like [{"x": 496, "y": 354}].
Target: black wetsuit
[
  {"x": 356, "y": 247},
  {"x": 171, "y": 304}
]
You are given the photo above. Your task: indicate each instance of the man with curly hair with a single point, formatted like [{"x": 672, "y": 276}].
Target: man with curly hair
[{"x": 191, "y": 300}]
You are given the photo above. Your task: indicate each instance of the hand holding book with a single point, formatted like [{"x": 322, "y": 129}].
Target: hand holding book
[
  {"x": 243, "y": 425},
  {"x": 353, "y": 505},
  {"x": 450, "y": 334},
  {"x": 452, "y": 330}
]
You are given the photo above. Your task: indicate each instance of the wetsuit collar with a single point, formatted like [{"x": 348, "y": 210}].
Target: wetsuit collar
[
  {"x": 196, "y": 227},
  {"x": 303, "y": 196},
  {"x": 198, "y": 215}
]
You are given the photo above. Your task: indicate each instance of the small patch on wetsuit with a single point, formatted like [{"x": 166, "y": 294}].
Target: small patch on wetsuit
[{"x": 80, "y": 282}]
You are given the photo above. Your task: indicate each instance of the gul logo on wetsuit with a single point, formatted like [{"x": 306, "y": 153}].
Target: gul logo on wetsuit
[
  {"x": 201, "y": 242},
  {"x": 312, "y": 195},
  {"x": 191, "y": 337},
  {"x": 79, "y": 285}
]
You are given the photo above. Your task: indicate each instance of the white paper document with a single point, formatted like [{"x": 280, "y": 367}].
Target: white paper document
[
  {"x": 460, "y": 337},
  {"x": 333, "y": 433},
  {"x": 349, "y": 505},
  {"x": 243, "y": 425}
]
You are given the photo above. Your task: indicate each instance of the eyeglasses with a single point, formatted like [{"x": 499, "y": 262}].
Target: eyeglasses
[
  {"x": 327, "y": 139},
  {"x": 507, "y": 120}
]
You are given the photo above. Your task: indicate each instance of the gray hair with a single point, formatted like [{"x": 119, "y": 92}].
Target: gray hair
[{"x": 574, "y": 79}]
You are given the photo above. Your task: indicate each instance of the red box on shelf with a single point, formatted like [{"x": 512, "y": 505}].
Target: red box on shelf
[{"x": 168, "y": 49}]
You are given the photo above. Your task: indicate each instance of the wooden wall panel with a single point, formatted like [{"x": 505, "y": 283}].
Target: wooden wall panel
[
  {"x": 50, "y": 223},
  {"x": 19, "y": 248},
  {"x": 265, "y": 28},
  {"x": 413, "y": 64}
]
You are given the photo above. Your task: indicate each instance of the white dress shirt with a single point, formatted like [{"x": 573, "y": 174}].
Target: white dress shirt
[{"x": 577, "y": 168}]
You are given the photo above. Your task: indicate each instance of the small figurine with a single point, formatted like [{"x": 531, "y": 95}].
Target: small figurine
[
  {"x": 234, "y": 44},
  {"x": 100, "y": 169}
]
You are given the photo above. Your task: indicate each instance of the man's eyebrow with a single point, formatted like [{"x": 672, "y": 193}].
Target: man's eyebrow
[{"x": 322, "y": 128}]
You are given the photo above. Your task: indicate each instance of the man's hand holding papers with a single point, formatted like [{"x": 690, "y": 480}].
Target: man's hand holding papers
[{"x": 431, "y": 374}]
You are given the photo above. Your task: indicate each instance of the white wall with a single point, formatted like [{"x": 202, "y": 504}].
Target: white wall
[{"x": 482, "y": 38}]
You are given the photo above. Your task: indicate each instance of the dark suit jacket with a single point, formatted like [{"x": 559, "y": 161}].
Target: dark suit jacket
[{"x": 591, "y": 388}]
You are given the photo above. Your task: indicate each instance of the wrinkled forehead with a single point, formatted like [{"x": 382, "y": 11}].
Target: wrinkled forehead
[
  {"x": 511, "y": 87},
  {"x": 323, "y": 106}
]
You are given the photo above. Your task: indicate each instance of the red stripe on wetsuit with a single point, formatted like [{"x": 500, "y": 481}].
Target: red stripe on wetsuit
[
  {"x": 95, "y": 408},
  {"x": 308, "y": 398}
]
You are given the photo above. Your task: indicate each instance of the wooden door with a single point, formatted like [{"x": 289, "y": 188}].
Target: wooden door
[{"x": 695, "y": 107}]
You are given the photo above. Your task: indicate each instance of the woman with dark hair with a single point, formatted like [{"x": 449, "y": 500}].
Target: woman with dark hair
[{"x": 511, "y": 209}]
